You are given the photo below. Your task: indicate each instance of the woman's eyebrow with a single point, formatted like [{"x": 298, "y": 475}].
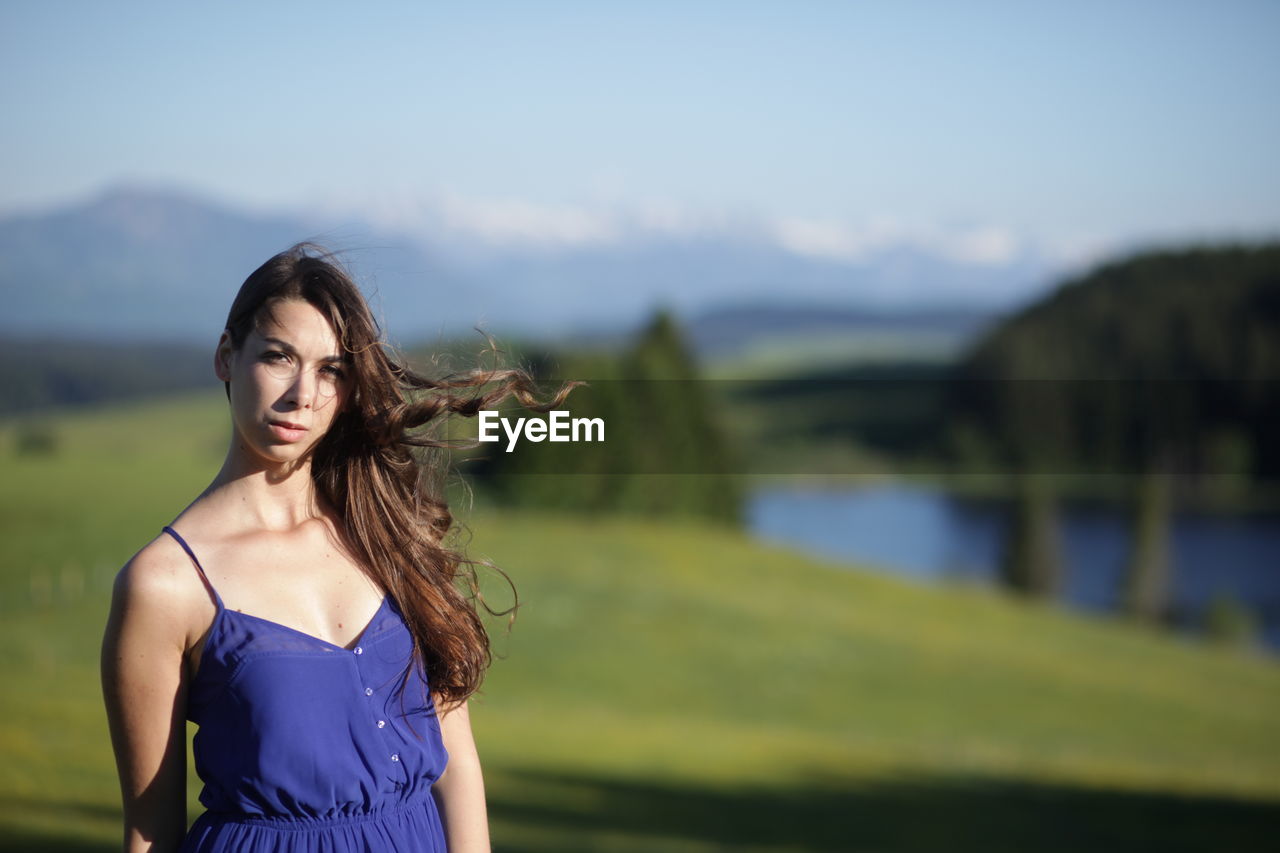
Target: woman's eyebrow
[{"x": 289, "y": 348}]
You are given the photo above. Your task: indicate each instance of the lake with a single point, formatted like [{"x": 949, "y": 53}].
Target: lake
[{"x": 928, "y": 534}]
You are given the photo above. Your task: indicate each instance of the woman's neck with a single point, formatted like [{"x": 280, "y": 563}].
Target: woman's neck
[{"x": 263, "y": 496}]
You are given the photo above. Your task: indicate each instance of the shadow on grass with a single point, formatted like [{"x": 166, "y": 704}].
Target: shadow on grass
[
  {"x": 535, "y": 811},
  {"x": 13, "y": 841},
  {"x": 566, "y": 812},
  {"x": 76, "y": 820}
]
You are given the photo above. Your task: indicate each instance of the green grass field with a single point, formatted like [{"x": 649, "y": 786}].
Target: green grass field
[{"x": 673, "y": 687}]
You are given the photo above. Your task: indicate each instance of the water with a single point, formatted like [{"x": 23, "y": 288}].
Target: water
[{"x": 928, "y": 534}]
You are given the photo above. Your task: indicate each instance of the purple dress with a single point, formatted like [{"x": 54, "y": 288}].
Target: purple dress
[{"x": 306, "y": 746}]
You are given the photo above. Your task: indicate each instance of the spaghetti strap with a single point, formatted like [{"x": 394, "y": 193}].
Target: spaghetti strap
[{"x": 217, "y": 598}]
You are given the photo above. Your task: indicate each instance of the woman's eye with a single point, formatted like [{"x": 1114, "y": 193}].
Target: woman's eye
[
  {"x": 335, "y": 372},
  {"x": 272, "y": 355}
]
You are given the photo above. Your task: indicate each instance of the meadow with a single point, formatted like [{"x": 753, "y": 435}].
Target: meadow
[{"x": 670, "y": 686}]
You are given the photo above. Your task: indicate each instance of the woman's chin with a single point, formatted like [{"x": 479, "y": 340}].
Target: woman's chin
[{"x": 283, "y": 453}]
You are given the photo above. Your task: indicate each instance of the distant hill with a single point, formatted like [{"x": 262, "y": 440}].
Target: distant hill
[
  {"x": 126, "y": 293},
  {"x": 155, "y": 263},
  {"x": 751, "y": 338},
  {"x": 1167, "y": 357},
  {"x": 130, "y": 264},
  {"x": 770, "y": 337},
  {"x": 41, "y": 373}
]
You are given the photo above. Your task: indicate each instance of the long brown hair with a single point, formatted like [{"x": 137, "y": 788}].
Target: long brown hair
[{"x": 387, "y": 483}]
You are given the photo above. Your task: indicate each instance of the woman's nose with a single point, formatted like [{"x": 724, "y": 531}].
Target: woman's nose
[{"x": 303, "y": 389}]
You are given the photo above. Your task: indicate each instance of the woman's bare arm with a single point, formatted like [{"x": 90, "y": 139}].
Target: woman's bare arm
[
  {"x": 459, "y": 791},
  {"x": 144, "y": 687}
]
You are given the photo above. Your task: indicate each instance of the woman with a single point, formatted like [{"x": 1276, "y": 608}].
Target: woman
[{"x": 331, "y": 687}]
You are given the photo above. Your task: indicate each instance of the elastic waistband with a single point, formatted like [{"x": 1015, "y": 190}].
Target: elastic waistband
[{"x": 296, "y": 823}]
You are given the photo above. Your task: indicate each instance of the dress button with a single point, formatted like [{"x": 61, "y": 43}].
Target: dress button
[
  {"x": 368, "y": 691},
  {"x": 358, "y": 650},
  {"x": 381, "y": 723},
  {"x": 395, "y": 757}
]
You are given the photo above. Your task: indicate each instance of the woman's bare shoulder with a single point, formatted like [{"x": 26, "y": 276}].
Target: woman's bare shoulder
[
  {"x": 160, "y": 584},
  {"x": 160, "y": 566}
]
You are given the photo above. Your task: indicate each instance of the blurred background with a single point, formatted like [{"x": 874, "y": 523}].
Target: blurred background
[{"x": 937, "y": 347}]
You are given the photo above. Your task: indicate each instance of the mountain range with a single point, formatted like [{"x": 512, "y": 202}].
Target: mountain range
[{"x": 145, "y": 263}]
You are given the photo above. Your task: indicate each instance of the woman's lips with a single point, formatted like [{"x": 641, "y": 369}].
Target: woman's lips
[{"x": 287, "y": 431}]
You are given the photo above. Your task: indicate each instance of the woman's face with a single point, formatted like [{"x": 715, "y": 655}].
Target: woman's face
[{"x": 288, "y": 381}]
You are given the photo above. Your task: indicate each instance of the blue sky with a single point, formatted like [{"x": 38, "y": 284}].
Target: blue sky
[{"x": 1068, "y": 121}]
